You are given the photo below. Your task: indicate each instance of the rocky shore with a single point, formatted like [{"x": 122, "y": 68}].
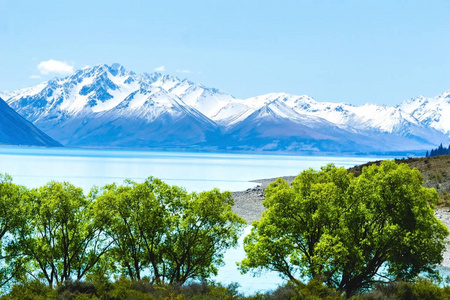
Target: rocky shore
[
  {"x": 443, "y": 214},
  {"x": 248, "y": 204}
]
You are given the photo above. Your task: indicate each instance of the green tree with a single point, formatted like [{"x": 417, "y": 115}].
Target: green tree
[
  {"x": 135, "y": 217},
  {"x": 348, "y": 231},
  {"x": 203, "y": 227},
  {"x": 61, "y": 239},
  {"x": 165, "y": 232},
  {"x": 10, "y": 219}
]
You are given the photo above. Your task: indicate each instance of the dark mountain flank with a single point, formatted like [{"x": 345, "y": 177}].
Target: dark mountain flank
[{"x": 15, "y": 130}]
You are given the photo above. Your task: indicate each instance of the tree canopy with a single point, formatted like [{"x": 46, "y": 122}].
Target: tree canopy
[
  {"x": 165, "y": 232},
  {"x": 10, "y": 218},
  {"x": 346, "y": 231},
  {"x": 56, "y": 234},
  {"x": 60, "y": 240}
]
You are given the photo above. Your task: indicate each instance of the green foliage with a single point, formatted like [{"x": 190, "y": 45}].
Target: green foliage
[
  {"x": 31, "y": 290},
  {"x": 421, "y": 289},
  {"x": 55, "y": 234},
  {"x": 339, "y": 232},
  {"x": 60, "y": 240},
  {"x": 10, "y": 218},
  {"x": 314, "y": 290},
  {"x": 76, "y": 290},
  {"x": 348, "y": 231},
  {"x": 143, "y": 289},
  {"x": 161, "y": 229},
  {"x": 134, "y": 220},
  {"x": 124, "y": 288}
]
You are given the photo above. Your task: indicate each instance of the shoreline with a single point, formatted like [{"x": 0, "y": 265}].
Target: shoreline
[{"x": 248, "y": 203}]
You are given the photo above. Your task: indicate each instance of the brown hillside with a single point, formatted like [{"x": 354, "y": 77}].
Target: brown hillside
[{"x": 435, "y": 171}]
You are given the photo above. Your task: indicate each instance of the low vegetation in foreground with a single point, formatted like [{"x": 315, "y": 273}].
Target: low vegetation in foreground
[
  {"x": 364, "y": 234},
  {"x": 126, "y": 289}
]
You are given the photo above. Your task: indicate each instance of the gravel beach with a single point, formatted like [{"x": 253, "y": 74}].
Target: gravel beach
[
  {"x": 443, "y": 214},
  {"x": 248, "y": 205}
]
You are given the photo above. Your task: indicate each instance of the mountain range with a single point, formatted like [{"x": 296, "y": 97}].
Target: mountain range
[{"x": 109, "y": 106}]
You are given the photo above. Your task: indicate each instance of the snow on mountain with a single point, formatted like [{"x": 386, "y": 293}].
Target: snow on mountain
[
  {"x": 109, "y": 106},
  {"x": 103, "y": 88},
  {"x": 94, "y": 102},
  {"x": 208, "y": 101},
  {"x": 330, "y": 126},
  {"x": 430, "y": 112},
  {"x": 369, "y": 116},
  {"x": 5, "y": 94}
]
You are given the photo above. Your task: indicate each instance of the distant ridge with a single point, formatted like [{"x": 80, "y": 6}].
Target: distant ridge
[
  {"x": 15, "y": 130},
  {"x": 109, "y": 106}
]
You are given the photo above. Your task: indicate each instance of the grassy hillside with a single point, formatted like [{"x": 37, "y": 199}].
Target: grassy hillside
[{"x": 435, "y": 171}]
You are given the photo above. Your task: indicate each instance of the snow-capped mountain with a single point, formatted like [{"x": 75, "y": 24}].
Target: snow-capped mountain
[
  {"x": 109, "y": 106},
  {"x": 430, "y": 112},
  {"x": 331, "y": 126},
  {"x": 15, "y": 130}
]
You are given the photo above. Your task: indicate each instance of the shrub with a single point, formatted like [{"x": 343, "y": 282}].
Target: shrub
[{"x": 30, "y": 290}]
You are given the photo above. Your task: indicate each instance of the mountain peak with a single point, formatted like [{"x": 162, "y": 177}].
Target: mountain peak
[
  {"x": 116, "y": 66},
  {"x": 445, "y": 95},
  {"x": 117, "y": 69}
]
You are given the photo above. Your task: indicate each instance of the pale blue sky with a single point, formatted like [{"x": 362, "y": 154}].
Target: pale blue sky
[{"x": 352, "y": 51}]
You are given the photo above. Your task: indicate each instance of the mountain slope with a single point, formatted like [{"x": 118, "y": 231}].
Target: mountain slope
[
  {"x": 15, "y": 130},
  {"x": 109, "y": 106},
  {"x": 430, "y": 112}
]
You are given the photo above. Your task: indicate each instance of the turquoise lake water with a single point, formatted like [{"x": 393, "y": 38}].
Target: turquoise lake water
[
  {"x": 85, "y": 168},
  {"x": 194, "y": 171}
]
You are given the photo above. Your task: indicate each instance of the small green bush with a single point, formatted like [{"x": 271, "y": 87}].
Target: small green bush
[
  {"x": 422, "y": 289},
  {"x": 76, "y": 290},
  {"x": 30, "y": 290}
]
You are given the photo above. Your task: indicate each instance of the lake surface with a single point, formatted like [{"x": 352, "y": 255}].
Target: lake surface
[{"x": 33, "y": 167}]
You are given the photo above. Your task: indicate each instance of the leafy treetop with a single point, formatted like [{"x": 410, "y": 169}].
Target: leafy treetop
[{"x": 346, "y": 231}]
